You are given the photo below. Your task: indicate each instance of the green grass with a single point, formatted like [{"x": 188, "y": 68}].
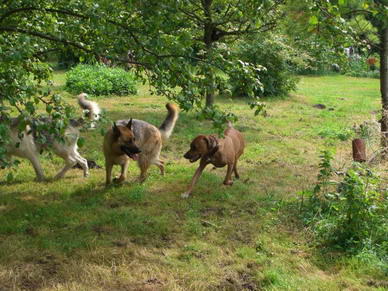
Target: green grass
[{"x": 75, "y": 234}]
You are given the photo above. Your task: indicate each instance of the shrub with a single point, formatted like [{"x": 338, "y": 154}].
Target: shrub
[
  {"x": 320, "y": 56},
  {"x": 279, "y": 62},
  {"x": 362, "y": 68},
  {"x": 351, "y": 214},
  {"x": 66, "y": 59},
  {"x": 341, "y": 134},
  {"x": 100, "y": 80}
]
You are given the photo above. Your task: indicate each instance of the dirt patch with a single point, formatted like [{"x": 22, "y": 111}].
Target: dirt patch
[
  {"x": 208, "y": 211},
  {"x": 151, "y": 284},
  {"x": 242, "y": 235},
  {"x": 243, "y": 281},
  {"x": 378, "y": 283},
  {"x": 102, "y": 229}
]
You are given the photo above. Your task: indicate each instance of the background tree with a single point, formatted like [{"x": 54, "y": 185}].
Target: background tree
[
  {"x": 337, "y": 23},
  {"x": 376, "y": 12},
  {"x": 191, "y": 45},
  {"x": 183, "y": 48}
]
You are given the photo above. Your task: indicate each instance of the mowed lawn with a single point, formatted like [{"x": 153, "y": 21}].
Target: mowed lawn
[{"x": 76, "y": 234}]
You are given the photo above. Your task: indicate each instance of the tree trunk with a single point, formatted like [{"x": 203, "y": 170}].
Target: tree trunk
[
  {"x": 359, "y": 151},
  {"x": 209, "y": 98},
  {"x": 207, "y": 39},
  {"x": 384, "y": 88},
  {"x": 210, "y": 73}
]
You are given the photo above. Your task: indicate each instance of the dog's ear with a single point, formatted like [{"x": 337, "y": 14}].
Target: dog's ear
[
  {"x": 212, "y": 144},
  {"x": 129, "y": 125},
  {"x": 116, "y": 130}
]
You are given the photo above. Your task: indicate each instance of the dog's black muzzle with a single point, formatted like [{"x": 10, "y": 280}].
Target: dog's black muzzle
[
  {"x": 131, "y": 151},
  {"x": 191, "y": 157}
]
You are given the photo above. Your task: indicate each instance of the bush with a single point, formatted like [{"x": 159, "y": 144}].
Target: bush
[
  {"x": 341, "y": 134},
  {"x": 100, "y": 80},
  {"x": 66, "y": 59},
  {"x": 278, "y": 58},
  {"x": 351, "y": 214},
  {"x": 320, "y": 56},
  {"x": 361, "y": 69}
]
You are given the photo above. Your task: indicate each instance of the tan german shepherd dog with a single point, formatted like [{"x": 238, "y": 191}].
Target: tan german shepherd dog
[{"x": 137, "y": 140}]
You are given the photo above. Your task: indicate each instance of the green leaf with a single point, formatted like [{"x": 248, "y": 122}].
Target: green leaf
[
  {"x": 81, "y": 142},
  {"x": 341, "y": 2},
  {"x": 313, "y": 20},
  {"x": 10, "y": 177}
]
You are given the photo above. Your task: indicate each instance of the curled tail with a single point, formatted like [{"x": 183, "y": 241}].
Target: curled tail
[
  {"x": 169, "y": 123},
  {"x": 92, "y": 110}
]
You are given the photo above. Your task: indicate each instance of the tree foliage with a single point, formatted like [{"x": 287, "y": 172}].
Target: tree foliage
[
  {"x": 184, "y": 44},
  {"x": 183, "y": 48}
]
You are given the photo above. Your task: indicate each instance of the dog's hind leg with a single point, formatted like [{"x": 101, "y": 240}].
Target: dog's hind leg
[
  {"x": 236, "y": 174},
  {"x": 228, "y": 178},
  {"x": 157, "y": 161},
  {"x": 37, "y": 167},
  {"x": 27, "y": 149},
  {"x": 160, "y": 165}
]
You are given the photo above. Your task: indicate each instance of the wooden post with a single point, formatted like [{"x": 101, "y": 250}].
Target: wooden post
[{"x": 359, "y": 153}]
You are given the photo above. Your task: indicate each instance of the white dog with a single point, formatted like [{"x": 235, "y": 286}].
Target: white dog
[
  {"x": 91, "y": 109},
  {"x": 25, "y": 145}
]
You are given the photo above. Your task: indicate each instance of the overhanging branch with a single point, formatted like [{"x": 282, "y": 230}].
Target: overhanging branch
[{"x": 46, "y": 36}]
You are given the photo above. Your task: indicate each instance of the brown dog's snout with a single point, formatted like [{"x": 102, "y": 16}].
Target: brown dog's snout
[
  {"x": 192, "y": 156},
  {"x": 187, "y": 155}
]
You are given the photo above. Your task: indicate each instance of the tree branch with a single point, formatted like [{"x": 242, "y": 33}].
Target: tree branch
[
  {"x": 26, "y": 9},
  {"x": 263, "y": 28},
  {"x": 357, "y": 11},
  {"x": 59, "y": 11},
  {"x": 46, "y": 36},
  {"x": 192, "y": 16}
]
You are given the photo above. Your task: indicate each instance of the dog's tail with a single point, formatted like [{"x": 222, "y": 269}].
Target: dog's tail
[
  {"x": 169, "y": 123},
  {"x": 229, "y": 124},
  {"x": 91, "y": 108}
]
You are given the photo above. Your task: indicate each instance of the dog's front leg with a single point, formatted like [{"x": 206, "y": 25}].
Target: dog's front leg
[
  {"x": 196, "y": 176},
  {"x": 69, "y": 163},
  {"x": 228, "y": 178},
  {"x": 108, "y": 170},
  {"x": 124, "y": 169}
]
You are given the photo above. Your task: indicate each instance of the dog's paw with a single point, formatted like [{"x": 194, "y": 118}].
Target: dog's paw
[
  {"x": 228, "y": 183},
  {"x": 118, "y": 180},
  {"x": 185, "y": 195},
  {"x": 141, "y": 180},
  {"x": 86, "y": 175}
]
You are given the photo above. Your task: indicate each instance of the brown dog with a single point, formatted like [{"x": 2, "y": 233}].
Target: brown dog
[
  {"x": 137, "y": 140},
  {"x": 218, "y": 152}
]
